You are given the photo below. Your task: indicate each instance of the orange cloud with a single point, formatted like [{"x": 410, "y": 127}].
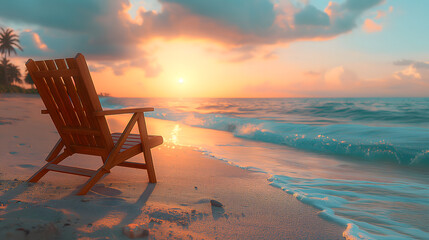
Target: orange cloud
[
  {"x": 125, "y": 13},
  {"x": 328, "y": 9},
  {"x": 411, "y": 71},
  {"x": 380, "y": 14},
  {"x": 370, "y": 26},
  {"x": 41, "y": 45}
]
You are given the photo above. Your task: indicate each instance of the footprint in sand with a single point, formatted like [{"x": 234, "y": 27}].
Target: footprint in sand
[
  {"x": 24, "y": 145},
  {"x": 203, "y": 200},
  {"x": 29, "y": 166},
  {"x": 13, "y": 153}
]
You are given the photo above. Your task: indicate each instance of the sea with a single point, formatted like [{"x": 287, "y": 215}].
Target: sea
[{"x": 363, "y": 162}]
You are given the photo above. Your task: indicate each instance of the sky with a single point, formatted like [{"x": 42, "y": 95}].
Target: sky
[{"x": 233, "y": 48}]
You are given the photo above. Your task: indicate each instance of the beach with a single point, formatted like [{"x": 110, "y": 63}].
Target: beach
[
  {"x": 267, "y": 120},
  {"x": 177, "y": 207}
]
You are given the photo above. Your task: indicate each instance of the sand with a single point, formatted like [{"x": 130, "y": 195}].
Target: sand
[{"x": 124, "y": 204}]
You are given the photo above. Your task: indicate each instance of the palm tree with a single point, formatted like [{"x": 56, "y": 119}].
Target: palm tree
[
  {"x": 9, "y": 73},
  {"x": 28, "y": 79},
  {"x": 9, "y": 40}
]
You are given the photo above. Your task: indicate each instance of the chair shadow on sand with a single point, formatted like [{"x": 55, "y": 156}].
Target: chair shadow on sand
[{"x": 102, "y": 213}]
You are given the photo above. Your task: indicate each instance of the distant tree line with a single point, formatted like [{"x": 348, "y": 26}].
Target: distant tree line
[{"x": 10, "y": 73}]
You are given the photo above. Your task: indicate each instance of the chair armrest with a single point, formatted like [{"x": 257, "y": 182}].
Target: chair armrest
[{"x": 122, "y": 111}]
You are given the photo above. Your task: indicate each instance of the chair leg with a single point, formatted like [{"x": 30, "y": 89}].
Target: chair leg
[
  {"x": 149, "y": 165},
  {"x": 55, "y": 151},
  {"x": 39, "y": 174},
  {"x": 92, "y": 181},
  {"x": 146, "y": 149}
]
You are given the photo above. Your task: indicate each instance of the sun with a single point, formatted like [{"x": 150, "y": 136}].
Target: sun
[{"x": 180, "y": 80}]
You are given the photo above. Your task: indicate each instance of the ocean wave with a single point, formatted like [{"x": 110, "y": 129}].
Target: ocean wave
[
  {"x": 368, "y": 111},
  {"x": 399, "y": 145}
]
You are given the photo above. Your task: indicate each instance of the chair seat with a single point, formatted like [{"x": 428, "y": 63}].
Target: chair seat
[{"x": 134, "y": 139}]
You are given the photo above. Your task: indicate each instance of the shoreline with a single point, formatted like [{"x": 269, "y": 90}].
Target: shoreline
[{"x": 178, "y": 206}]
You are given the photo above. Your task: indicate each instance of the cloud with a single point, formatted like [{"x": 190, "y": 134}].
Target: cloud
[
  {"x": 242, "y": 53},
  {"x": 312, "y": 16},
  {"x": 380, "y": 14},
  {"x": 415, "y": 64},
  {"x": 105, "y": 31},
  {"x": 339, "y": 77},
  {"x": 370, "y": 26},
  {"x": 250, "y": 16},
  {"x": 360, "y": 5},
  {"x": 96, "y": 67},
  {"x": 409, "y": 72},
  {"x": 414, "y": 71},
  {"x": 339, "y": 81},
  {"x": 37, "y": 40},
  {"x": 253, "y": 21}
]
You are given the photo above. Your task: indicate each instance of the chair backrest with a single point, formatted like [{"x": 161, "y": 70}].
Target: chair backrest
[{"x": 67, "y": 90}]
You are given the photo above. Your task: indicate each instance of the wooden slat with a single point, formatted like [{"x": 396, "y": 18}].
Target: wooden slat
[
  {"x": 87, "y": 82},
  {"x": 71, "y": 170},
  {"x": 81, "y": 130},
  {"x": 129, "y": 153},
  {"x": 46, "y": 96},
  {"x": 53, "y": 92},
  {"x": 129, "y": 142},
  {"x": 133, "y": 165},
  {"x": 155, "y": 141},
  {"x": 85, "y": 101},
  {"x": 72, "y": 92},
  {"x": 92, "y": 93},
  {"x": 136, "y": 149},
  {"x": 122, "y": 111},
  {"x": 152, "y": 141},
  {"x": 68, "y": 112},
  {"x": 136, "y": 136},
  {"x": 97, "y": 151},
  {"x": 55, "y": 151},
  {"x": 88, "y": 106},
  {"x": 57, "y": 73},
  {"x": 128, "y": 139}
]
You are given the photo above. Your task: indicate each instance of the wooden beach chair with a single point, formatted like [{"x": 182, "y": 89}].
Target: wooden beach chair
[{"x": 67, "y": 90}]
